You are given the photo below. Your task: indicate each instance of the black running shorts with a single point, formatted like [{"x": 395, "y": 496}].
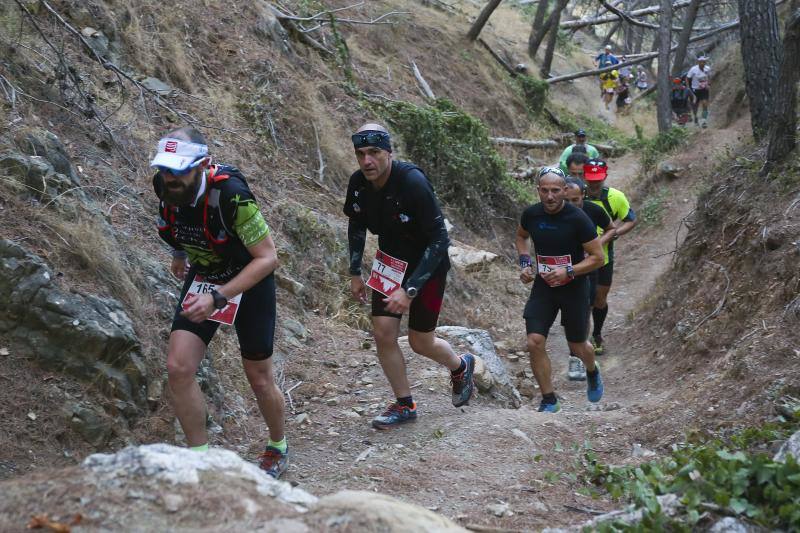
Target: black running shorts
[
  {"x": 423, "y": 315},
  {"x": 701, "y": 94},
  {"x": 255, "y": 320},
  {"x": 545, "y": 302},
  {"x": 605, "y": 274}
]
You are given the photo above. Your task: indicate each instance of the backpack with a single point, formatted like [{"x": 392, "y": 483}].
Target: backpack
[{"x": 214, "y": 228}]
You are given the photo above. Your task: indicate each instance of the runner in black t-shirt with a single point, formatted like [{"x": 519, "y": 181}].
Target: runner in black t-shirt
[
  {"x": 567, "y": 248},
  {"x": 575, "y": 193},
  {"x": 395, "y": 201}
]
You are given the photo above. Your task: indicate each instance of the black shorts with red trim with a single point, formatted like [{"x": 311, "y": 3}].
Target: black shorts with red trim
[
  {"x": 423, "y": 315},
  {"x": 701, "y": 94}
]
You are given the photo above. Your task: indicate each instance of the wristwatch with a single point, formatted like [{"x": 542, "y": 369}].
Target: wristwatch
[
  {"x": 219, "y": 300},
  {"x": 412, "y": 292},
  {"x": 570, "y": 272}
]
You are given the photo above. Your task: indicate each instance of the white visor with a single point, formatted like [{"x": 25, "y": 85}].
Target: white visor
[{"x": 178, "y": 155}]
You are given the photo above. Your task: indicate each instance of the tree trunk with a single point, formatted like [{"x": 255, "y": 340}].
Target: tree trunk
[
  {"x": 665, "y": 40},
  {"x": 761, "y": 54},
  {"x": 783, "y": 132},
  {"x": 683, "y": 38},
  {"x": 551, "y": 41},
  {"x": 482, "y": 19},
  {"x": 538, "y": 20},
  {"x": 638, "y": 41},
  {"x": 535, "y": 41},
  {"x": 611, "y": 33}
]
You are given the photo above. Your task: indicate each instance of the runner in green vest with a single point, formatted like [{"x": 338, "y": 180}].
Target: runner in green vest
[{"x": 580, "y": 140}]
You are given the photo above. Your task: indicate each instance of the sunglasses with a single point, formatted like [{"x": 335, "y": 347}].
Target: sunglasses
[
  {"x": 551, "y": 170},
  {"x": 367, "y": 139},
  {"x": 183, "y": 172}
]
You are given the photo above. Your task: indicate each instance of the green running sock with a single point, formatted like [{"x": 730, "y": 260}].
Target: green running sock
[
  {"x": 281, "y": 445},
  {"x": 201, "y": 448}
]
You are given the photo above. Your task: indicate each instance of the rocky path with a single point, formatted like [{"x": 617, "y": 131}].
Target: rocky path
[{"x": 487, "y": 464}]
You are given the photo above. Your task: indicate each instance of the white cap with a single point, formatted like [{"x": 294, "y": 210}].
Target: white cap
[
  {"x": 608, "y": 47},
  {"x": 177, "y": 154},
  {"x": 702, "y": 58}
]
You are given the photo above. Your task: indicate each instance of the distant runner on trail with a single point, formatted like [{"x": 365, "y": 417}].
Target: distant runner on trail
[
  {"x": 605, "y": 59},
  {"x": 699, "y": 75},
  {"x": 575, "y": 164},
  {"x": 567, "y": 248},
  {"x": 223, "y": 249},
  {"x": 680, "y": 100},
  {"x": 395, "y": 201},
  {"x": 608, "y": 85},
  {"x": 580, "y": 140},
  {"x": 618, "y": 208},
  {"x": 575, "y": 192}
]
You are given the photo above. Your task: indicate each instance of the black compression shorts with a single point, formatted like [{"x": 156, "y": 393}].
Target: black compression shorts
[
  {"x": 701, "y": 94},
  {"x": 423, "y": 315},
  {"x": 605, "y": 274},
  {"x": 545, "y": 302},
  {"x": 255, "y": 320}
]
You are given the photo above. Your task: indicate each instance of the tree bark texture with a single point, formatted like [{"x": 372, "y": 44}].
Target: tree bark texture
[
  {"x": 551, "y": 40},
  {"x": 535, "y": 41},
  {"x": 538, "y": 19},
  {"x": 761, "y": 55},
  {"x": 482, "y": 19},
  {"x": 783, "y": 130},
  {"x": 683, "y": 38},
  {"x": 664, "y": 110}
]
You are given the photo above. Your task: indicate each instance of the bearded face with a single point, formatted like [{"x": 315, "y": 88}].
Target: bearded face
[{"x": 180, "y": 189}]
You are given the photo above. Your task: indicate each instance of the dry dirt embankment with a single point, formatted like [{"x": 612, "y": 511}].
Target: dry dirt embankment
[{"x": 276, "y": 111}]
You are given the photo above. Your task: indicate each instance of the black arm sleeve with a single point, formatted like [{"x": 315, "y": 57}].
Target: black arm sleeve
[
  {"x": 356, "y": 238},
  {"x": 432, "y": 223}
]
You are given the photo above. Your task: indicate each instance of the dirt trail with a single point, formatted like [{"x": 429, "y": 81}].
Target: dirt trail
[{"x": 460, "y": 461}]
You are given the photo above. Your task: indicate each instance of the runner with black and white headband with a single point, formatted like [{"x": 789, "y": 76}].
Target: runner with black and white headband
[
  {"x": 567, "y": 248},
  {"x": 395, "y": 201}
]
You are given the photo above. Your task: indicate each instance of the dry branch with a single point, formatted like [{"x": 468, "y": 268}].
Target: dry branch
[
  {"x": 497, "y": 58},
  {"x": 525, "y": 143},
  {"x": 636, "y": 22},
  {"x": 426, "y": 89},
  {"x": 581, "y": 23}
]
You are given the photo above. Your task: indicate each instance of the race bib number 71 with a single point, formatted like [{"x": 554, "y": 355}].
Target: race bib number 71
[{"x": 226, "y": 315}]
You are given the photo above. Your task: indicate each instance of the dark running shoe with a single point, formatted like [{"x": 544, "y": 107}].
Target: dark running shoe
[
  {"x": 594, "y": 385},
  {"x": 549, "y": 407},
  {"x": 395, "y": 415},
  {"x": 273, "y": 461},
  {"x": 463, "y": 384}
]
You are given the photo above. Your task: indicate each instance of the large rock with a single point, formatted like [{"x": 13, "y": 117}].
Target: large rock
[
  {"x": 267, "y": 26},
  {"x": 164, "y": 488},
  {"x": 46, "y": 144},
  {"x": 86, "y": 336},
  {"x": 480, "y": 343},
  {"x": 36, "y": 174},
  {"x": 790, "y": 447},
  {"x": 468, "y": 258}
]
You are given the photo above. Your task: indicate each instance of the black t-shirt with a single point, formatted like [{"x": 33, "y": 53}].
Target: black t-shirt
[
  {"x": 560, "y": 234},
  {"x": 597, "y": 214},
  {"x": 404, "y": 213}
]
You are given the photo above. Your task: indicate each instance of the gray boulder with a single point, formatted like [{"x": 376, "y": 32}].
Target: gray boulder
[
  {"x": 90, "y": 422},
  {"x": 790, "y": 447},
  {"x": 46, "y": 144},
  {"x": 480, "y": 343},
  {"x": 86, "y": 336},
  {"x": 164, "y": 488},
  {"x": 35, "y": 174}
]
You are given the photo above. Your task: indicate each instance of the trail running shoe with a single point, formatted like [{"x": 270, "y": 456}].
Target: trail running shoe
[
  {"x": 576, "y": 372},
  {"x": 594, "y": 386},
  {"x": 463, "y": 384},
  {"x": 273, "y": 461},
  {"x": 395, "y": 415},
  {"x": 550, "y": 407},
  {"x": 597, "y": 342}
]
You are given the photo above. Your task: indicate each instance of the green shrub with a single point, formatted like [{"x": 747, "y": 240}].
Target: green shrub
[
  {"x": 534, "y": 91},
  {"x": 454, "y": 150},
  {"x": 735, "y": 476},
  {"x": 653, "y": 150}
]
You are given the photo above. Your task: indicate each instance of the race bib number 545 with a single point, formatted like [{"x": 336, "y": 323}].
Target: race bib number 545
[
  {"x": 387, "y": 273},
  {"x": 226, "y": 315}
]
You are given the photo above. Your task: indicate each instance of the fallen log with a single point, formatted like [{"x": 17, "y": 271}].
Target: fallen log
[
  {"x": 605, "y": 19},
  {"x": 643, "y": 57},
  {"x": 423, "y": 84},
  {"x": 499, "y": 59},
  {"x": 525, "y": 143}
]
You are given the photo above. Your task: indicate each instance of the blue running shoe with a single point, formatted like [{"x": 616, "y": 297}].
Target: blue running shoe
[
  {"x": 550, "y": 407},
  {"x": 594, "y": 385},
  {"x": 463, "y": 385},
  {"x": 395, "y": 415}
]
